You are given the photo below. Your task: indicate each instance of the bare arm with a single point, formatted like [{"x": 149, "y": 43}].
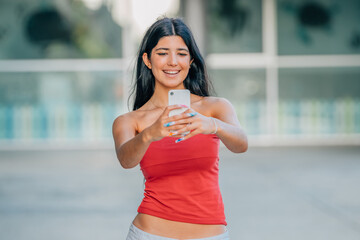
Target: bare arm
[
  {"x": 131, "y": 147},
  {"x": 227, "y": 125},
  {"x": 229, "y": 129}
]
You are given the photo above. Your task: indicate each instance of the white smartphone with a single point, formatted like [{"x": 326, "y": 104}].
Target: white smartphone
[{"x": 181, "y": 96}]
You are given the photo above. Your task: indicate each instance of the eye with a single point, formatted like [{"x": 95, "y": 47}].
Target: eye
[
  {"x": 161, "y": 54},
  {"x": 183, "y": 54}
]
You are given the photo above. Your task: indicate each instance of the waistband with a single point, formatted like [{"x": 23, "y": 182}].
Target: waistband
[{"x": 137, "y": 234}]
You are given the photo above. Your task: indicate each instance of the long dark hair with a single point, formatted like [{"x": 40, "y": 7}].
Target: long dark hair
[{"x": 197, "y": 80}]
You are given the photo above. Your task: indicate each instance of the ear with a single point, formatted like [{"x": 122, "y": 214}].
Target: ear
[
  {"x": 191, "y": 61},
  {"x": 146, "y": 60}
]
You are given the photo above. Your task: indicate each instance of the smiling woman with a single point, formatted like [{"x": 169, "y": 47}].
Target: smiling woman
[
  {"x": 169, "y": 61},
  {"x": 157, "y": 45},
  {"x": 178, "y": 155}
]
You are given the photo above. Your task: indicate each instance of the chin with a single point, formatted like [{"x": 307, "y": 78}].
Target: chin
[{"x": 177, "y": 85}]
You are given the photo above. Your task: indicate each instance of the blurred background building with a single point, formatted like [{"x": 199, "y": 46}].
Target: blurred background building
[{"x": 291, "y": 68}]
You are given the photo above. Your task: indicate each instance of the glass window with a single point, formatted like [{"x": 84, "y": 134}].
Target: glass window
[
  {"x": 59, "y": 105},
  {"x": 245, "y": 89},
  {"x": 319, "y": 101},
  {"x": 318, "y": 27},
  {"x": 57, "y": 29},
  {"x": 234, "y": 26}
]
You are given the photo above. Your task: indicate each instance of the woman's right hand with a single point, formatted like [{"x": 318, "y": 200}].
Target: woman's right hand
[
  {"x": 131, "y": 147},
  {"x": 164, "y": 125}
]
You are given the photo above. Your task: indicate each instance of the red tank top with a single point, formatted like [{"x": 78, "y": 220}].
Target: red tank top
[{"x": 182, "y": 180}]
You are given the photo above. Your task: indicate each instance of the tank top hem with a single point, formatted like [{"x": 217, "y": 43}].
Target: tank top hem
[{"x": 168, "y": 216}]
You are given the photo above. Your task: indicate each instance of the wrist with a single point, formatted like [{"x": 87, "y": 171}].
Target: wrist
[
  {"x": 215, "y": 125},
  {"x": 146, "y": 136}
]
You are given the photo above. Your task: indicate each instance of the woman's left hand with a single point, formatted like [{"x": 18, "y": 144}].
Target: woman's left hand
[
  {"x": 194, "y": 123},
  {"x": 224, "y": 123}
]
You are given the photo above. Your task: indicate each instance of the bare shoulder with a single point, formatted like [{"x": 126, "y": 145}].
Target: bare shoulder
[
  {"x": 217, "y": 104},
  {"x": 126, "y": 118},
  {"x": 222, "y": 109},
  {"x": 217, "y": 100},
  {"x": 124, "y": 121},
  {"x": 130, "y": 121}
]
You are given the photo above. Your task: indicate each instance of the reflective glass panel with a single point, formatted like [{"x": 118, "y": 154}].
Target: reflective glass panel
[
  {"x": 318, "y": 27},
  {"x": 245, "y": 89},
  {"x": 319, "y": 101},
  {"x": 234, "y": 26},
  {"x": 58, "y": 29},
  {"x": 59, "y": 105}
]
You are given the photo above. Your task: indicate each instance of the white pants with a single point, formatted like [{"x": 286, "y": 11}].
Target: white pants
[{"x": 137, "y": 234}]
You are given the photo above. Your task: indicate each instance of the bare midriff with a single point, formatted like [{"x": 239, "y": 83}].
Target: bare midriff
[{"x": 178, "y": 230}]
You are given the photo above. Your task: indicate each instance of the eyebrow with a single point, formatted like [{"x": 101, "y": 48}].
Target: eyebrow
[{"x": 166, "y": 49}]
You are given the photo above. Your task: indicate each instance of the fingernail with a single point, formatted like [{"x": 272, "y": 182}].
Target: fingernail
[
  {"x": 172, "y": 133},
  {"x": 185, "y": 106},
  {"x": 179, "y": 140},
  {"x": 192, "y": 114},
  {"x": 169, "y": 124}
]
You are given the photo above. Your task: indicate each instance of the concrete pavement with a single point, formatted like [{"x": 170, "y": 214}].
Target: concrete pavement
[{"x": 269, "y": 193}]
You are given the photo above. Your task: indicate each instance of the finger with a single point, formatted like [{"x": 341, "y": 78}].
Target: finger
[
  {"x": 176, "y": 124},
  {"x": 175, "y": 135},
  {"x": 180, "y": 119},
  {"x": 184, "y": 115},
  {"x": 172, "y": 116},
  {"x": 173, "y": 130},
  {"x": 169, "y": 124},
  {"x": 176, "y": 127},
  {"x": 188, "y": 128},
  {"x": 187, "y": 136},
  {"x": 181, "y": 123},
  {"x": 170, "y": 108},
  {"x": 189, "y": 110}
]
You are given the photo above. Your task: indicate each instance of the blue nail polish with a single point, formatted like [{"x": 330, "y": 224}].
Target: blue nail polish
[
  {"x": 192, "y": 114},
  {"x": 179, "y": 140},
  {"x": 169, "y": 124}
]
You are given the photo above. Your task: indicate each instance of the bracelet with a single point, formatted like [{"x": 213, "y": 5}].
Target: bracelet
[{"x": 216, "y": 127}]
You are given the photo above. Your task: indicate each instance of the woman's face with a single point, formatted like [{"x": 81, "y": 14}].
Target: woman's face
[{"x": 169, "y": 62}]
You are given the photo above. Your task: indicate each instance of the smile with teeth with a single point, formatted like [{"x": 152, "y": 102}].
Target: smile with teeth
[{"x": 171, "y": 72}]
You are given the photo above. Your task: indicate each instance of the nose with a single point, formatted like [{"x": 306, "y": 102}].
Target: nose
[{"x": 172, "y": 60}]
